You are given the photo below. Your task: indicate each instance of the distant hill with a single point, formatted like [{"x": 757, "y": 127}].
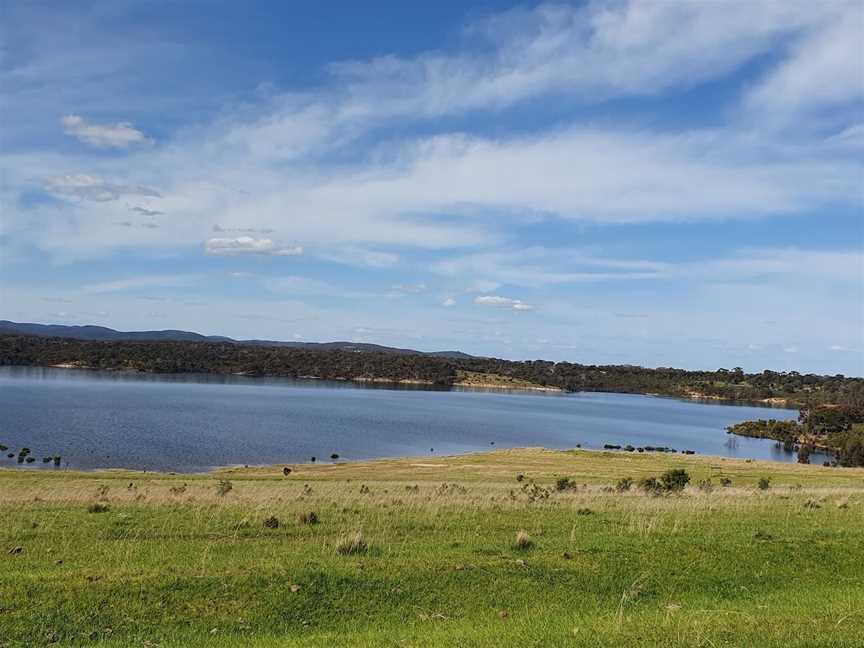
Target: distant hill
[{"x": 102, "y": 333}]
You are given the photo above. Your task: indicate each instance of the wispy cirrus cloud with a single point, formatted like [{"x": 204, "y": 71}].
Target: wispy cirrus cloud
[
  {"x": 824, "y": 69},
  {"x": 496, "y": 301},
  {"x": 137, "y": 283},
  {"x": 358, "y": 256},
  {"x": 147, "y": 212},
  {"x": 87, "y": 187},
  {"x": 248, "y": 245},
  {"x": 407, "y": 289}
]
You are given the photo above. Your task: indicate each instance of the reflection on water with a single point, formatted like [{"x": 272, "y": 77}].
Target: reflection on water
[{"x": 190, "y": 422}]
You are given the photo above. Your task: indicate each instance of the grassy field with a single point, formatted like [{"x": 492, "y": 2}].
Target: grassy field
[{"x": 132, "y": 559}]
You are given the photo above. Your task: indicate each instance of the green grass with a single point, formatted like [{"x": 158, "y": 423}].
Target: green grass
[{"x": 189, "y": 567}]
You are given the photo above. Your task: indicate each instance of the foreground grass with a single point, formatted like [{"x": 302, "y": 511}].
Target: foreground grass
[{"x": 171, "y": 562}]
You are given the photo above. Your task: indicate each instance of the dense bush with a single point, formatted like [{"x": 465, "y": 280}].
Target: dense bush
[
  {"x": 849, "y": 446},
  {"x": 674, "y": 480},
  {"x": 564, "y": 484},
  {"x": 650, "y": 485}
]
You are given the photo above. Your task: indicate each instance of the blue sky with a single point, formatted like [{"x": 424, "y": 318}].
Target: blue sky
[{"x": 656, "y": 183}]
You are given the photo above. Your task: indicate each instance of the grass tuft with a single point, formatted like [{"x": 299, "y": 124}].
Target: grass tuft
[
  {"x": 308, "y": 517},
  {"x": 352, "y": 544},
  {"x": 523, "y": 541}
]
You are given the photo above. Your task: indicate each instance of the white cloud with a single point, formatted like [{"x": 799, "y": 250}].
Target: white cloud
[
  {"x": 357, "y": 256},
  {"x": 136, "y": 283},
  {"x": 448, "y": 302},
  {"x": 496, "y": 301},
  {"x": 117, "y": 135},
  {"x": 481, "y": 286},
  {"x": 834, "y": 267},
  {"x": 594, "y": 51},
  {"x": 429, "y": 192},
  {"x": 87, "y": 187},
  {"x": 851, "y": 136},
  {"x": 538, "y": 266},
  {"x": 407, "y": 289},
  {"x": 248, "y": 245},
  {"x": 301, "y": 286},
  {"x": 147, "y": 212},
  {"x": 825, "y": 69}
]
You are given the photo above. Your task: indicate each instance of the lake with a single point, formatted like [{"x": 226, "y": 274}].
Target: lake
[{"x": 197, "y": 422}]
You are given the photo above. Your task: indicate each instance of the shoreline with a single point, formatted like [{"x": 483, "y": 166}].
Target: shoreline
[
  {"x": 424, "y": 468},
  {"x": 39, "y": 469},
  {"x": 769, "y": 403}
]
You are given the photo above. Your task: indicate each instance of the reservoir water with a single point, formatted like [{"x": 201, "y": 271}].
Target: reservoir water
[{"x": 196, "y": 422}]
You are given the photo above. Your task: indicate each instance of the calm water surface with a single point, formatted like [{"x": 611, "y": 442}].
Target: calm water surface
[{"x": 193, "y": 423}]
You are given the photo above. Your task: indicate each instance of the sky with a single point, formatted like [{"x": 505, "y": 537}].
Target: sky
[{"x": 610, "y": 182}]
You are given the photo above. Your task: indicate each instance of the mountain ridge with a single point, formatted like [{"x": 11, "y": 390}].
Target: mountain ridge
[{"x": 94, "y": 333}]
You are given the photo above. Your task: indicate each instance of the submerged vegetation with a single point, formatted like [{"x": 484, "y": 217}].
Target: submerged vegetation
[
  {"x": 443, "y": 553},
  {"x": 790, "y": 388}
]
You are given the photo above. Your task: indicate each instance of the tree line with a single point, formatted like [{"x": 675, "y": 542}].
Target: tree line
[
  {"x": 801, "y": 390},
  {"x": 837, "y": 427}
]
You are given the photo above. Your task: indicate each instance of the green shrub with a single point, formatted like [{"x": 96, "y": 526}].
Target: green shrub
[
  {"x": 564, "y": 484},
  {"x": 223, "y": 487},
  {"x": 650, "y": 485},
  {"x": 764, "y": 483},
  {"x": 674, "y": 480},
  {"x": 98, "y": 507}
]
